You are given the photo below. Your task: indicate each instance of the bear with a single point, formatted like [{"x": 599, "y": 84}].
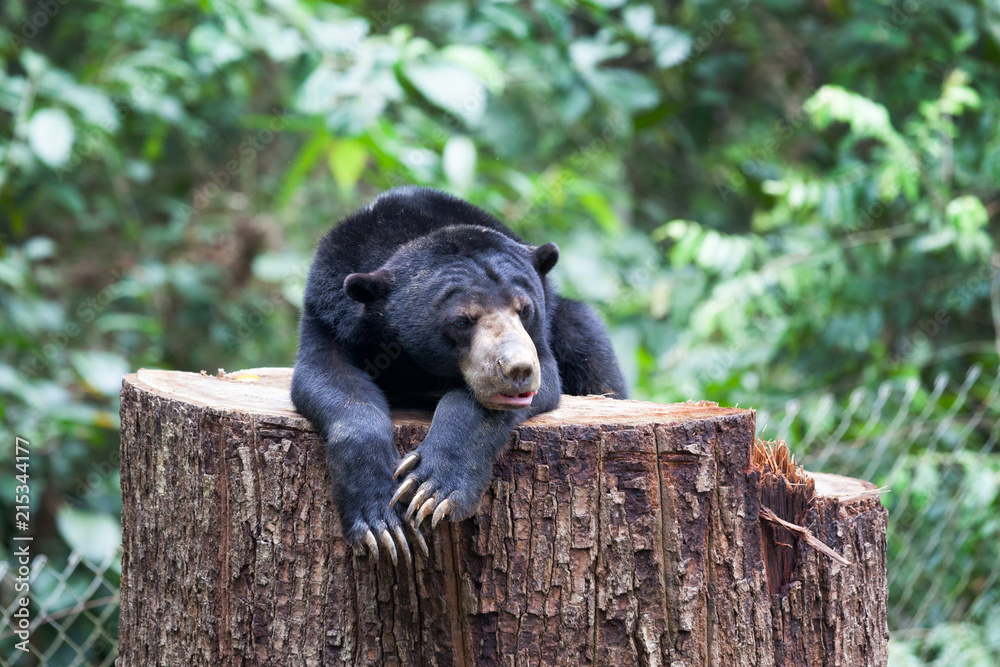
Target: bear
[{"x": 422, "y": 300}]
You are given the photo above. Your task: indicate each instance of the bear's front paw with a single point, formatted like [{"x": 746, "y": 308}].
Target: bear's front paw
[
  {"x": 442, "y": 485},
  {"x": 368, "y": 520}
]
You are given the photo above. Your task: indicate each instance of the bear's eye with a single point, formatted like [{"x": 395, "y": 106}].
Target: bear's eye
[
  {"x": 463, "y": 322},
  {"x": 525, "y": 311}
]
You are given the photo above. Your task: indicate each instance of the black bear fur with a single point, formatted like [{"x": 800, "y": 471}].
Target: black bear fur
[{"x": 379, "y": 330}]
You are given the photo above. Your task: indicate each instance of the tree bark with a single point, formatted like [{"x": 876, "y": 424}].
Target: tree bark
[{"x": 614, "y": 533}]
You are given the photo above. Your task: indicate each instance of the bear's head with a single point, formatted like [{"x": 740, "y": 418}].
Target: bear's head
[{"x": 466, "y": 301}]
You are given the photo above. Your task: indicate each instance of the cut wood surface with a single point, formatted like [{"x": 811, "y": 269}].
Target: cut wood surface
[{"x": 615, "y": 533}]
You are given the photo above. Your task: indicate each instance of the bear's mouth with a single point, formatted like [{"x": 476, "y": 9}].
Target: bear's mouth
[{"x": 521, "y": 400}]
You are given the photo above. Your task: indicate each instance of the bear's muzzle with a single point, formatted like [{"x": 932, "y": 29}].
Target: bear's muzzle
[{"x": 502, "y": 366}]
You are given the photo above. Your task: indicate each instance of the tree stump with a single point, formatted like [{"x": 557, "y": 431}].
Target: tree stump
[{"x": 615, "y": 533}]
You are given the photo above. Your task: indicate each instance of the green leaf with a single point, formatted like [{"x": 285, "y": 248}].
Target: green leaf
[
  {"x": 968, "y": 217},
  {"x": 449, "y": 87},
  {"x": 675, "y": 229},
  {"x": 624, "y": 88},
  {"x": 865, "y": 117},
  {"x": 575, "y": 103},
  {"x": 602, "y": 211},
  {"x": 957, "y": 95},
  {"x": 101, "y": 371},
  {"x": 640, "y": 19},
  {"x": 347, "y": 159},
  {"x": 590, "y": 275},
  {"x": 587, "y": 54},
  {"x": 508, "y": 18},
  {"x": 967, "y": 214},
  {"x": 51, "y": 135},
  {"x": 38, "y": 248},
  {"x": 206, "y": 39},
  {"x": 983, "y": 486},
  {"x": 276, "y": 267},
  {"x": 478, "y": 61},
  {"x": 301, "y": 167},
  {"x": 934, "y": 241},
  {"x": 129, "y": 322},
  {"x": 94, "y": 535},
  {"x": 13, "y": 271},
  {"x": 672, "y": 46},
  {"x": 459, "y": 162},
  {"x": 340, "y": 36},
  {"x": 281, "y": 42},
  {"x": 93, "y": 105}
]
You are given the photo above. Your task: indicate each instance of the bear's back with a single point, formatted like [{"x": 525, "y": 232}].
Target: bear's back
[{"x": 365, "y": 240}]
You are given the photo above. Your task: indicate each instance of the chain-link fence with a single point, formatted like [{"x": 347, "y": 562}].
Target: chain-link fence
[
  {"x": 932, "y": 446},
  {"x": 72, "y": 616}
]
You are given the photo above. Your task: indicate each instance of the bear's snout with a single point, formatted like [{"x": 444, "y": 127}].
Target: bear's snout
[
  {"x": 516, "y": 366},
  {"x": 502, "y": 366}
]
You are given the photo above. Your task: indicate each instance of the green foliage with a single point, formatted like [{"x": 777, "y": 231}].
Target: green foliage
[{"x": 767, "y": 200}]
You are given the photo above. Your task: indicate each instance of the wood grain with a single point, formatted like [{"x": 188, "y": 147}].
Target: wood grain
[{"x": 614, "y": 533}]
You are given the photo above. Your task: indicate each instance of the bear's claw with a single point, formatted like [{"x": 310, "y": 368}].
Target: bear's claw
[
  {"x": 425, "y": 510},
  {"x": 422, "y": 543},
  {"x": 408, "y": 485},
  {"x": 408, "y": 462},
  {"x": 393, "y": 540},
  {"x": 424, "y": 492},
  {"x": 370, "y": 542},
  {"x": 403, "y": 545},
  {"x": 441, "y": 512},
  {"x": 386, "y": 540}
]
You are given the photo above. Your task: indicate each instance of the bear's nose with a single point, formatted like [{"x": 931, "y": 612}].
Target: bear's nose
[{"x": 517, "y": 371}]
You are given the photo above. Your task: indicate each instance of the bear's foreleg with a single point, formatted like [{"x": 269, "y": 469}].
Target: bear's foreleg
[
  {"x": 352, "y": 415},
  {"x": 452, "y": 467}
]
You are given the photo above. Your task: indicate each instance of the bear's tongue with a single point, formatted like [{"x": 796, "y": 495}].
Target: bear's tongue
[{"x": 520, "y": 400}]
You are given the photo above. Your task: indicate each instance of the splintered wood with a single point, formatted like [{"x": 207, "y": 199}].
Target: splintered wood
[
  {"x": 790, "y": 489},
  {"x": 614, "y": 533},
  {"x": 786, "y": 492},
  {"x": 774, "y": 458}
]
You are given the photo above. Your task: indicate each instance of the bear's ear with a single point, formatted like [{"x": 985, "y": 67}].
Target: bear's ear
[
  {"x": 367, "y": 287},
  {"x": 545, "y": 257}
]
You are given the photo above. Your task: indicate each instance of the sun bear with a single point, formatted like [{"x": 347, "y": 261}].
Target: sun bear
[{"x": 423, "y": 300}]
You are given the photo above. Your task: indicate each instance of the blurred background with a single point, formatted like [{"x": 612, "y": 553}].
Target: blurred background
[{"x": 780, "y": 205}]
